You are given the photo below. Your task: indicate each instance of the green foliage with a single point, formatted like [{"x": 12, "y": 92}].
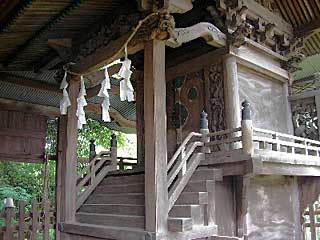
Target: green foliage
[
  {"x": 101, "y": 134},
  {"x": 24, "y": 181}
]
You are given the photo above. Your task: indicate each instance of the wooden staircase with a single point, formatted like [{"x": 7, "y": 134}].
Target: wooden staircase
[{"x": 118, "y": 202}]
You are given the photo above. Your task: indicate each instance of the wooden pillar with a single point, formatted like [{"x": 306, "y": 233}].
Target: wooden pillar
[
  {"x": 67, "y": 159},
  {"x": 140, "y": 121},
  {"x": 231, "y": 92},
  {"x": 156, "y": 193}
]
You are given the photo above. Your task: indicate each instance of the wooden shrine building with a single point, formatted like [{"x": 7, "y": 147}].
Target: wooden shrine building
[{"x": 219, "y": 153}]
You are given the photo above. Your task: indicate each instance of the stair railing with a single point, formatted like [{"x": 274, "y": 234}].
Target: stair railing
[
  {"x": 185, "y": 161},
  {"x": 99, "y": 166}
]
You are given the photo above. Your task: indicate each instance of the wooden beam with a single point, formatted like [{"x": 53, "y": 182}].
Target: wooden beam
[
  {"x": 69, "y": 150},
  {"x": 28, "y": 107},
  {"x": 196, "y": 64},
  {"x": 32, "y": 83},
  {"x": 50, "y": 111},
  {"x": 105, "y": 55},
  {"x": 307, "y": 28},
  {"x": 156, "y": 197},
  {"x": 115, "y": 115}
]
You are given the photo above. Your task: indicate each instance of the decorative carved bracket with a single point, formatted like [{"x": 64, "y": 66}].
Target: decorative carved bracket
[
  {"x": 208, "y": 31},
  {"x": 179, "y": 6}
]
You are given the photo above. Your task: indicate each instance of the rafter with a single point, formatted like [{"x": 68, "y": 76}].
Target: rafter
[
  {"x": 17, "y": 11},
  {"x": 307, "y": 28},
  {"x": 43, "y": 30}
]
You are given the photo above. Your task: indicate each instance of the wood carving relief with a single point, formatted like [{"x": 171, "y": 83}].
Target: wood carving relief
[
  {"x": 187, "y": 96},
  {"x": 259, "y": 21},
  {"x": 215, "y": 97},
  {"x": 305, "y": 120}
]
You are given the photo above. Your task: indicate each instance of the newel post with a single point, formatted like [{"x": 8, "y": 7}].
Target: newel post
[
  {"x": 204, "y": 130},
  {"x": 247, "y": 129},
  {"x": 113, "y": 149},
  {"x": 92, "y": 153},
  {"x": 8, "y": 208}
]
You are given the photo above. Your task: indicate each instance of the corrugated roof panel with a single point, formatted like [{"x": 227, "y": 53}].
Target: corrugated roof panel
[{"x": 310, "y": 66}]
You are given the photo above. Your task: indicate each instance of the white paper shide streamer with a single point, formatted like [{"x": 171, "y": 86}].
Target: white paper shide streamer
[
  {"x": 65, "y": 101},
  {"x": 81, "y": 100},
  {"x": 126, "y": 89},
  {"x": 105, "y": 105}
]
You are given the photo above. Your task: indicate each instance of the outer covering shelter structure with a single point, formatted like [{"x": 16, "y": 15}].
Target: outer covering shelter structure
[{"x": 237, "y": 171}]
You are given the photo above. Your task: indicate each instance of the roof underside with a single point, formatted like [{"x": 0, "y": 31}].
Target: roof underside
[
  {"x": 302, "y": 14},
  {"x": 24, "y": 31}
]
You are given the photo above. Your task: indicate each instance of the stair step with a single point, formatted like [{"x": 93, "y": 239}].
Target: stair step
[
  {"x": 200, "y": 186},
  {"x": 192, "y": 198},
  {"x": 115, "y": 180},
  {"x": 207, "y": 174},
  {"x": 119, "y": 209},
  {"x": 120, "y": 198},
  {"x": 111, "y": 220},
  {"x": 179, "y": 224},
  {"x": 195, "y": 212},
  {"x": 120, "y": 188}
]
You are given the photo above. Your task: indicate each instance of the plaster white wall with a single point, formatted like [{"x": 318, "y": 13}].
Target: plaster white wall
[
  {"x": 267, "y": 98},
  {"x": 271, "y": 207}
]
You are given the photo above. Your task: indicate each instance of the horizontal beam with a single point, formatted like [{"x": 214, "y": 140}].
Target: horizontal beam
[
  {"x": 51, "y": 111},
  {"x": 306, "y": 28},
  {"x": 95, "y": 78},
  {"x": 105, "y": 55},
  {"x": 29, "y": 107},
  {"x": 196, "y": 64},
  {"x": 303, "y": 95}
]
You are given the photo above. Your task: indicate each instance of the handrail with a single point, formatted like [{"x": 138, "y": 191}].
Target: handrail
[
  {"x": 224, "y": 132},
  {"x": 265, "y": 131},
  {"x": 182, "y": 165},
  {"x": 181, "y": 147},
  {"x": 98, "y": 168}
]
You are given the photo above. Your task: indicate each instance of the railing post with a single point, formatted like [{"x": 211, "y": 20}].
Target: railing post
[
  {"x": 92, "y": 150},
  {"x": 113, "y": 150},
  {"x": 204, "y": 130},
  {"x": 92, "y": 155},
  {"x": 8, "y": 207},
  {"x": 247, "y": 129}
]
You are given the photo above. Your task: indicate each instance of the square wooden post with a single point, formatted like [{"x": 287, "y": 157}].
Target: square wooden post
[
  {"x": 67, "y": 159},
  {"x": 156, "y": 193}
]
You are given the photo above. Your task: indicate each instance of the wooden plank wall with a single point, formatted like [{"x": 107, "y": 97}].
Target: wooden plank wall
[{"x": 23, "y": 136}]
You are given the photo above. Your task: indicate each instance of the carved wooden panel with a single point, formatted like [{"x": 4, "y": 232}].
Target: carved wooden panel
[
  {"x": 23, "y": 136},
  {"x": 305, "y": 120},
  {"x": 188, "y": 96},
  {"x": 215, "y": 97}
]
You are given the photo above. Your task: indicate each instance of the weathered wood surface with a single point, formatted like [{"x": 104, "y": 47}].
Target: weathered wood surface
[
  {"x": 97, "y": 170},
  {"x": 156, "y": 197},
  {"x": 23, "y": 136},
  {"x": 27, "y": 224},
  {"x": 69, "y": 201},
  {"x": 210, "y": 33}
]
